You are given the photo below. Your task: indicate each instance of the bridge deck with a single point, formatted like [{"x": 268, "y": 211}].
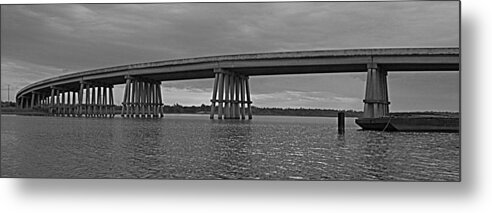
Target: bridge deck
[{"x": 301, "y": 62}]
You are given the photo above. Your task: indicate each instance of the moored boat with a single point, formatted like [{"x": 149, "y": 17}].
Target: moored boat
[{"x": 418, "y": 123}]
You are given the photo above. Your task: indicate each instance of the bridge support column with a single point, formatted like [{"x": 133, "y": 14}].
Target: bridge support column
[
  {"x": 38, "y": 101},
  {"x": 93, "y": 101},
  {"x": 80, "y": 99},
  {"x": 241, "y": 85},
  {"x": 142, "y": 98},
  {"x": 33, "y": 96},
  {"x": 104, "y": 102},
  {"x": 87, "y": 99},
  {"x": 376, "y": 102},
  {"x": 126, "y": 99},
  {"x": 21, "y": 102},
  {"x": 231, "y": 88},
  {"x": 63, "y": 103},
  {"x": 133, "y": 107},
  {"x": 74, "y": 104},
  {"x": 98, "y": 100},
  {"x": 248, "y": 95},
  {"x": 226, "y": 93},
  {"x": 214, "y": 96},
  {"x": 68, "y": 104},
  {"x": 57, "y": 103},
  {"x": 237, "y": 99},
  {"x": 160, "y": 103},
  {"x": 52, "y": 102},
  {"x": 111, "y": 101}
]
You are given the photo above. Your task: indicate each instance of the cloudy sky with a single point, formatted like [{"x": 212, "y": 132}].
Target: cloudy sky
[{"x": 42, "y": 41}]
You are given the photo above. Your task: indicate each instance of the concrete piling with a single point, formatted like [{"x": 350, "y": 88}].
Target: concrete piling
[
  {"x": 142, "y": 98},
  {"x": 376, "y": 102},
  {"x": 232, "y": 89}
]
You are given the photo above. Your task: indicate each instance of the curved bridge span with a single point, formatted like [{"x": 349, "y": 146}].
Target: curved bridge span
[{"x": 90, "y": 93}]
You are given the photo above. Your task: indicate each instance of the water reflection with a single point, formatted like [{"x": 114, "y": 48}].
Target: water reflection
[
  {"x": 232, "y": 149},
  {"x": 195, "y": 147},
  {"x": 143, "y": 149},
  {"x": 375, "y": 153}
]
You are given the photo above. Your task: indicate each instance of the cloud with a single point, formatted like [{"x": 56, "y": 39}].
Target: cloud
[{"x": 77, "y": 37}]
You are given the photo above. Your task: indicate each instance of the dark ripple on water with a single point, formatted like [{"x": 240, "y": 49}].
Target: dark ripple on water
[{"x": 194, "y": 147}]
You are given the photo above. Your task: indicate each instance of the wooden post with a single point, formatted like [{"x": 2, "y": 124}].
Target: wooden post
[
  {"x": 214, "y": 96},
  {"x": 221, "y": 95},
  {"x": 341, "y": 122}
]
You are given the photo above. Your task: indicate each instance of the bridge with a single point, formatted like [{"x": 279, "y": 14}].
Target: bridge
[{"x": 90, "y": 93}]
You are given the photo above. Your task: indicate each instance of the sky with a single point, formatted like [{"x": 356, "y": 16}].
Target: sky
[{"x": 43, "y": 41}]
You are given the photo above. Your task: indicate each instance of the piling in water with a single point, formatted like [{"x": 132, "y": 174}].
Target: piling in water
[{"x": 341, "y": 123}]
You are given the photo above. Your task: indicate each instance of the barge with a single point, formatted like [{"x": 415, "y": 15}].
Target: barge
[{"x": 412, "y": 123}]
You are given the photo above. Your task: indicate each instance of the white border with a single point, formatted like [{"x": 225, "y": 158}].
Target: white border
[{"x": 473, "y": 194}]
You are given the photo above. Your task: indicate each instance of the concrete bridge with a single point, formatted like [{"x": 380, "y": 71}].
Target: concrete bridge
[{"x": 90, "y": 93}]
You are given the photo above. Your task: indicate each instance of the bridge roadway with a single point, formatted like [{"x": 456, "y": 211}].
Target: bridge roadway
[{"x": 231, "y": 74}]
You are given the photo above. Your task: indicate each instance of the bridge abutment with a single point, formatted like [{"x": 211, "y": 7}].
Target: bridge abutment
[
  {"x": 229, "y": 95},
  {"x": 376, "y": 102}
]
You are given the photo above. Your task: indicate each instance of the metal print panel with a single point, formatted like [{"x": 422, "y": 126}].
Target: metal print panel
[{"x": 337, "y": 91}]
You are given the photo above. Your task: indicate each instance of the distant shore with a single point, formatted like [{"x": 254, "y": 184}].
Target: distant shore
[{"x": 204, "y": 109}]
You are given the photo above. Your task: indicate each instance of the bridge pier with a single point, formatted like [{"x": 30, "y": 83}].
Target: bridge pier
[
  {"x": 142, "y": 98},
  {"x": 70, "y": 103},
  {"x": 376, "y": 102},
  {"x": 99, "y": 100},
  {"x": 230, "y": 88}
]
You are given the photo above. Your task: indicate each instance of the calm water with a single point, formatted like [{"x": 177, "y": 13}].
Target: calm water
[{"x": 195, "y": 147}]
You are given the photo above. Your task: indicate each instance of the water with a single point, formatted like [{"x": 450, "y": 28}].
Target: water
[{"x": 195, "y": 147}]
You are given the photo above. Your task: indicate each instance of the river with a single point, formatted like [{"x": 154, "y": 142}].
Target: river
[{"x": 195, "y": 147}]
